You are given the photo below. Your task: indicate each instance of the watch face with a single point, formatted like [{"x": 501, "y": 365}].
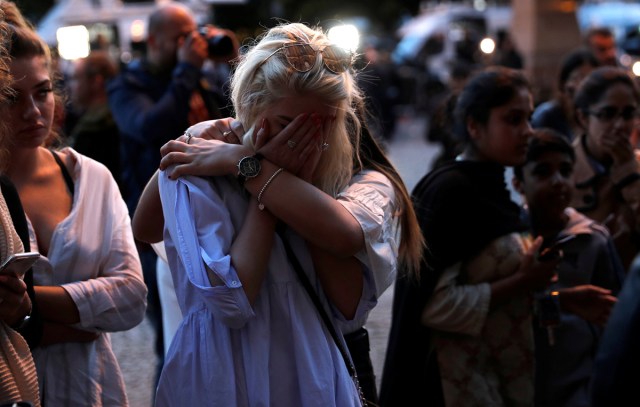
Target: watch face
[{"x": 249, "y": 167}]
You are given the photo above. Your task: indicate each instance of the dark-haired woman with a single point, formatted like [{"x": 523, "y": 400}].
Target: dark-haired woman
[
  {"x": 607, "y": 170},
  {"x": 463, "y": 333}
]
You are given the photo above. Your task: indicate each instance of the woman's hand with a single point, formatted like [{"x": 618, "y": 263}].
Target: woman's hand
[
  {"x": 590, "y": 302},
  {"x": 201, "y": 157},
  {"x": 14, "y": 301},
  {"x": 618, "y": 147},
  {"x": 228, "y": 130},
  {"x": 296, "y": 148}
]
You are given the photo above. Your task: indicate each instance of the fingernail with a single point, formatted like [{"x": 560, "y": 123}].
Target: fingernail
[
  {"x": 264, "y": 122},
  {"x": 316, "y": 119}
]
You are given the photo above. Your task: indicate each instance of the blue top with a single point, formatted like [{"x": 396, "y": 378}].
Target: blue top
[
  {"x": 226, "y": 351},
  {"x": 563, "y": 371},
  {"x": 151, "y": 108}
]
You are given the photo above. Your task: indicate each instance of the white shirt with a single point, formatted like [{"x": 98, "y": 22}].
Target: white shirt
[
  {"x": 92, "y": 255},
  {"x": 276, "y": 352}
]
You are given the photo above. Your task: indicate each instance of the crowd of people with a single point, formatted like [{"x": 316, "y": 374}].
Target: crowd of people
[{"x": 244, "y": 202}]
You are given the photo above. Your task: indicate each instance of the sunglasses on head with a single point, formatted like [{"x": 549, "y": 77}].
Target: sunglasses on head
[
  {"x": 302, "y": 57},
  {"x": 609, "y": 113}
]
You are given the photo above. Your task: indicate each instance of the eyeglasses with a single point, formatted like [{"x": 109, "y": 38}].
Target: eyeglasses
[
  {"x": 610, "y": 113},
  {"x": 302, "y": 57}
]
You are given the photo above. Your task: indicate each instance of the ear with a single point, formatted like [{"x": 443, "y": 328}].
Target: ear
[
  {"x": 582, "y": 119},
  {"x": 151, "y": 40},
  {"x": 474, "y": 129}
]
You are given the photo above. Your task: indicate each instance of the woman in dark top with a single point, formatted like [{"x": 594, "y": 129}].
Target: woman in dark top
[{"x": 478, "y": 270}]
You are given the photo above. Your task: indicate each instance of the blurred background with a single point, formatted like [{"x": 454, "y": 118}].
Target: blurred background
[
  {"x": 416, "y": 47},
  {"x": 412, "y": 54}
]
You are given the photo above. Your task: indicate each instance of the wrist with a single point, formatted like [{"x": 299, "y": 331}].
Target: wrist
[
  {"x": 25, "y": 314},
  {"x": 236, "y": 153}
]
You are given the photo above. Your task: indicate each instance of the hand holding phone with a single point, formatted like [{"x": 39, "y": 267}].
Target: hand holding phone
[{"x": 18, "y": 264}]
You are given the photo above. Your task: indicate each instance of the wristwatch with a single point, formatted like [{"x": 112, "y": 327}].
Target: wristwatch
[{"x": 249, "y": 167}]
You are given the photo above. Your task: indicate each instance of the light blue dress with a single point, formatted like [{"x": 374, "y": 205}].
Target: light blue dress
[{"x": 226, "y": 352}]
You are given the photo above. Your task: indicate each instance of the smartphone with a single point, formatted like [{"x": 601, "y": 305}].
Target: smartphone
[{"x": 19, "y": 263}]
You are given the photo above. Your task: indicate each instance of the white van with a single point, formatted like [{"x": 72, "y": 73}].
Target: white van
[
  {"x": 437, "y": 38},
  {"x": 113, "y": 24}
]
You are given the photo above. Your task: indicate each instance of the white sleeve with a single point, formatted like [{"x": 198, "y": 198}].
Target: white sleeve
[{"x": 457, "y": 308}]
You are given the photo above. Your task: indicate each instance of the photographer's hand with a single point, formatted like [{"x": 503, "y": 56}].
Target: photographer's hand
[{"x": 193, "y": 49}]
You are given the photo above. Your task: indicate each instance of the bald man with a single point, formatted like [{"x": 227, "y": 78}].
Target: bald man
[{"x": 154, "y": 100}]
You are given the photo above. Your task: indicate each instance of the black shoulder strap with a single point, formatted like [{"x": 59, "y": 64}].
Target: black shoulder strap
[
  {"x": 16, "y": 211},
  {"x": 32, "y": 331},
  {"x": 65, "y": 173}
]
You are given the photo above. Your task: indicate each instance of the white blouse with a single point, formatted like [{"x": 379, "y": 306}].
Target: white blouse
[{"x": 92, "y": 255}]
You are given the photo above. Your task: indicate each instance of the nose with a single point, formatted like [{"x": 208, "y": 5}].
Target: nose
[
  {"x": 30, "y": 109},
  {"x": 556, "y": 178},
  {"x": 528, "y": 130}
]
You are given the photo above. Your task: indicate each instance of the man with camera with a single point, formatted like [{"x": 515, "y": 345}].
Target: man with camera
[{"x": 155, "y": 99}]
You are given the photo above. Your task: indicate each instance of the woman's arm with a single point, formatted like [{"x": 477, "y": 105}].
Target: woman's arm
[
  {"x": 316, "y": 216},
  {"x": 148, "y": 222},
  {"x": 462, "y": 308},
  {"x": 251, "y": 250},
  {"x": 14, "y": 300}
]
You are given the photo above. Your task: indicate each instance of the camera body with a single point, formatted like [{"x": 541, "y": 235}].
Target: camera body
[{"x": 219, "y": 45}]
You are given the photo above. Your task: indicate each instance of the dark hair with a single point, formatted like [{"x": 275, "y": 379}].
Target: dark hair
[
  {"x": 573, "y": 61},
  {"x": 598, "y": 82},
  {"x": 491, "y": 88},
  {"x": 373, "y": 157},
  {"x": 597, "y": 32},
  {"x": 543, "y": 141}
]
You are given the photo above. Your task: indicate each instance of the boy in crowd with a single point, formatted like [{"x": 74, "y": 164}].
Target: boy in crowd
[{"x": 572, "y": 312}]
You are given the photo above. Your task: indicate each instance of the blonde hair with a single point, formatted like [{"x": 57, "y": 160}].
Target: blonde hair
[{"x": 263, "y": 77}]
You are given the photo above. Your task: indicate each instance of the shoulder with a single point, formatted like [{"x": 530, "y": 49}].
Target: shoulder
[
  {"x": 450, "y": 179},
  {"x": 78, "y": 164},
  {"x": 133, "y": 74},
  {"x": 369, "y": 191},
  {"x": 579, "y": 224},
  {"x": 371, "y": 179}
]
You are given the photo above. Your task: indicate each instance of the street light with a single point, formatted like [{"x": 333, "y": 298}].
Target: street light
[
  {"x": 73, "y": 41},
  {"x": 345, "y": 36}
]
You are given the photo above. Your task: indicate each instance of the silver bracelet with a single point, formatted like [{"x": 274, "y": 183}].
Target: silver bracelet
[{"x": 264, "y": 187}]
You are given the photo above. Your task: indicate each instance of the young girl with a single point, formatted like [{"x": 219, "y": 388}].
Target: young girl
[
  {"x": 473, "y": 303},
  {"x": 235, "y": 281},
  {"x": 607, "y": 171},
  {"x": 90, "y": 282}
]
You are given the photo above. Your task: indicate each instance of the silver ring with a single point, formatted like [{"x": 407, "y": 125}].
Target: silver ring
[
  {"x": 225, "y": 134},
  {"x": 324, "y": 147},
  {"x": 292, "y": 144},
  {"x": 189, "y": 136}
]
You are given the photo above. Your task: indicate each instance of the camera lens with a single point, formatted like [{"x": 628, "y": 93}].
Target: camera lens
[{"x": 220, "y": 45}]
